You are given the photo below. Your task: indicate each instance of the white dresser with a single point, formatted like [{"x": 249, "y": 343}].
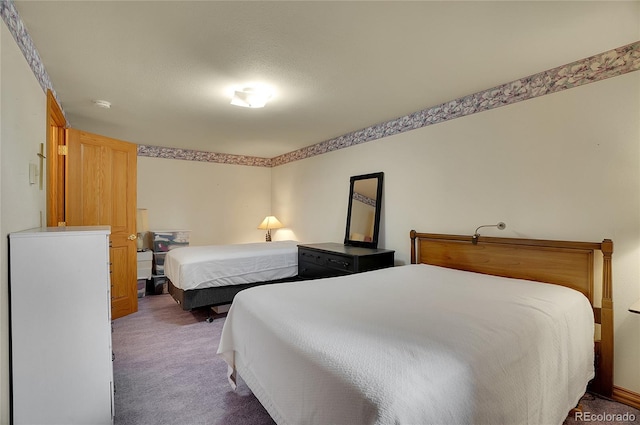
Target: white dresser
[{"x": 60, "y": 326}]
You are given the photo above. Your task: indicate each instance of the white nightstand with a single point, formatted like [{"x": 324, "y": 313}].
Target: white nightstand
[{"x": 145, "y": 263}]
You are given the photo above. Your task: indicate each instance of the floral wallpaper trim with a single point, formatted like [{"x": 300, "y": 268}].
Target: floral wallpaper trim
[
  {"x": 16, "y": 27},
  {"x": 193, "y": 155},
  {"x": 364, "y": 199}
]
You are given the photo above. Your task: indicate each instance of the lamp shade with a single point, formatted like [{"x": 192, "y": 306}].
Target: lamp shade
[
  {"x": 270, "y": 222},
  {"x": 142, "y": 220}
]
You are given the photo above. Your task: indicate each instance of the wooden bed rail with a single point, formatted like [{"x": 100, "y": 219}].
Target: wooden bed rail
[
  {"x": 565, "y": 263},
  {"x": 603, "y": 382}
]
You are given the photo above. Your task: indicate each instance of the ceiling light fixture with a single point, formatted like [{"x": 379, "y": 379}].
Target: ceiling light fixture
[
  {"x": 250, "y": 97},
  {"x": 102, "y": 104}
]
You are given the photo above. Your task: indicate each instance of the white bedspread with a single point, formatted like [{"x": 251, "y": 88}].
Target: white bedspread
[
  {"x": 414, "y": 344},
  {"x": 197, "y": 267}
]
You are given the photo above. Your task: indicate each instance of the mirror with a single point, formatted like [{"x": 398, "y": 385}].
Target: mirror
[{"x": 363, "y": 214}]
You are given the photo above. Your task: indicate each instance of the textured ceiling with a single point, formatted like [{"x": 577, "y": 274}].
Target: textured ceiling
[{"x": 336, "y": 67}]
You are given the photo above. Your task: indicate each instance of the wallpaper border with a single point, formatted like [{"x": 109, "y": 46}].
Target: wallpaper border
[
  {"x": 599, "y": 67},
  {"x": 203, "y": 156}
]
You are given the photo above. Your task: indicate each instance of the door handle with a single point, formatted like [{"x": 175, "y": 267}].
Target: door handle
[{"x": 132, "y": 237}]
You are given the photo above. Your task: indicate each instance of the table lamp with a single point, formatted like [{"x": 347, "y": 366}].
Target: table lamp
[{"x": 269, "y": 222}]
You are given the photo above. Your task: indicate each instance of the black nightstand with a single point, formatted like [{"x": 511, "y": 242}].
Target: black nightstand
[{"x": 334, "y": 259}]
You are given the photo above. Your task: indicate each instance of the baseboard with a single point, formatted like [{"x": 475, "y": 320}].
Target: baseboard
[{"x": 627, "y": 397}]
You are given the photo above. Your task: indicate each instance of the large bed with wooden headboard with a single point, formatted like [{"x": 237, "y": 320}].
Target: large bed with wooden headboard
[
  {"x": 566, "y": 263},
  {"x": 491, "y": 330}
]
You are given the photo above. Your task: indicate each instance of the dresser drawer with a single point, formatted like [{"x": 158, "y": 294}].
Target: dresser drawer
[
  {"x": 339, "y": 262},
  {"x": 308, "y": 256},
  {"x": 331, "y": 259},
  {"x": 325, "y": 259},
  {"x": 309, "y": 270}
]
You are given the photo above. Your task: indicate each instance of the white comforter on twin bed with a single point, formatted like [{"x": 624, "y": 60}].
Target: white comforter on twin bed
[
  {"x": 197, "y": 267},
  {"x": 414, "y": 344}
]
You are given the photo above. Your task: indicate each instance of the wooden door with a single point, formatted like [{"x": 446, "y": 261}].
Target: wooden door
[{"x": 101, "y": 190}]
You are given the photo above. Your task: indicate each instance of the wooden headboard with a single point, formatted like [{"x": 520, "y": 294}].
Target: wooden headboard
[{"x": 563, "y": 263}]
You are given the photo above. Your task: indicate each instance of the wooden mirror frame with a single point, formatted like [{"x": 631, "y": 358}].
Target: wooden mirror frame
[{"x": 378, "y": 207}]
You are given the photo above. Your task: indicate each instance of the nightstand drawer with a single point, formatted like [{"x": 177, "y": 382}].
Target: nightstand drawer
[
  {"x": 145, "y": 263},
  {"x": 144, "y": 269}
]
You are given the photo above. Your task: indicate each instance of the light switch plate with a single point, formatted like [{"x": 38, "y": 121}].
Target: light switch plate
[{"x": 33, "y": 172}]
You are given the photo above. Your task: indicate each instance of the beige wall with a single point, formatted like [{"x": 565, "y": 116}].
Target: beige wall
[
  {"x": 22, "y": 129},
  {"x": 563, "y": 166},
  {"x": 219, "y": 203}
]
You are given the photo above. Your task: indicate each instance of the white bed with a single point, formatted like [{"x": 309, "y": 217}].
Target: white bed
[
  {"x": 425, "y": 344},
  {"x": 199, "y": 274}
]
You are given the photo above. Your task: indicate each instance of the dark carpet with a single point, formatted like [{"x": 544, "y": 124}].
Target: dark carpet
[{"x": 166, "y": 372}]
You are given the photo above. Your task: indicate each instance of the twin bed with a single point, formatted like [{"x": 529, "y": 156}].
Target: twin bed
[
  {"x": 202, "y": 276},
  {"x": 467, "y": 333}
]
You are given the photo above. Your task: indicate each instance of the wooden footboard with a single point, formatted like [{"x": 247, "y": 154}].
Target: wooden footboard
[{"x": 563, "y": 263}]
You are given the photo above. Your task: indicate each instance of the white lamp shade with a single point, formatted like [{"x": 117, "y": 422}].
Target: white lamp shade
[
  {"x": 142, "y": 220},
  {"x": 270, "y": 222}
]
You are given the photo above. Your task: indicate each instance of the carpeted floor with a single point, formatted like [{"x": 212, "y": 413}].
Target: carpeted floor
[{"x": 166, "y": 372}]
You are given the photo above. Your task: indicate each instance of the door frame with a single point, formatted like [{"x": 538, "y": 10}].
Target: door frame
[{"x": 56, "y": 163}]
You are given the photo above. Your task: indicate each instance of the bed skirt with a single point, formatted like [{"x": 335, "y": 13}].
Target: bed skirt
[{"x": 210, "y": 297}]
